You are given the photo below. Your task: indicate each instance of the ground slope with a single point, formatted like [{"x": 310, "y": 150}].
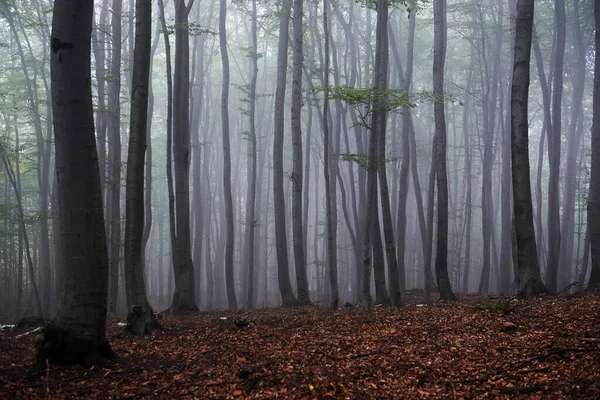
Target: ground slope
[{"x": 547, "y": 347}]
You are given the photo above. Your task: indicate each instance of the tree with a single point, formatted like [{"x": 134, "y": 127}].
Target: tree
[
  {"x": 593, "y": 206},
  {"x": 439, "y": 56},
  {"x": 379, "y": 123},
  {"x": 528, "y": 278},
  {"x": 113, "y": 190},
  {"x": 296, "y": 127},
  {"x": 229, "y": 247},
  {"x": 251, "y": 203},
  {"x": 554, "y": 145},
  {"x": 141, "y": 317},
  {"x": 77, "y": 333},
  {"x": 283, "y": 273},
  {"x": 183, "y": 267},
  {"x": 329, "y": 206}
]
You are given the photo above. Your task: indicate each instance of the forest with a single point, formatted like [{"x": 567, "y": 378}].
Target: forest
[{"x": 299, "y": 199}]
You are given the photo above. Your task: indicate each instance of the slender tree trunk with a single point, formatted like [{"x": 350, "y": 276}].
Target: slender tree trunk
[
  {"x": 229, "y": 247},
  {"x": 297, "y": 180},
  {"x": 113, "y": 203},
  {"x": 140, "y": 317},
  {"x": 439, "y": 56},
  {"x": 283, "y": 273},
  {"x": 251, "y": 223},
  {"x": 380, "y": 115},
  {"x": 327, "y": 169},
  {"x": 554, "y": 145},
  {"x": 574, "y": 140}
]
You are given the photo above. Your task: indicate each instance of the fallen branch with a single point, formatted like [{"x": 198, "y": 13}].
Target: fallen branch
[{"x": 28, "y": 333}]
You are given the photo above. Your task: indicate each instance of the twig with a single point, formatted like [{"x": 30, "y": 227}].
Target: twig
[{"x": 28, "y": 333}]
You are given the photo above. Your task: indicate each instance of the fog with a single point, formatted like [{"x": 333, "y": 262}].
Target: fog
[{"x": 271, "y": 149}]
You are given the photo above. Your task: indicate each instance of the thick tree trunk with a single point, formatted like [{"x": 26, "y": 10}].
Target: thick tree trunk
[
  {"x": 183, "y": 268},
  {"x": 77, "y": 333},
  {"x": 528, "y": 278}
]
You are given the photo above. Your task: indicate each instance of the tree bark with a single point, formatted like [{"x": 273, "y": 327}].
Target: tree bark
[
  {"x": 439, "y": 56},
  {"x": 297, "y": 179},
  {"x": 593, "y": 206},
  {"x": 283, "y": 273},
  {"x": 184, "y": 298},
  {"x": 528, "y": 278},
  {"x": 230, "y": 242},
  {"x": 554, "y": 145},
  {"x": 141, "y": 319},
  {"x": 77, "y": 333}
]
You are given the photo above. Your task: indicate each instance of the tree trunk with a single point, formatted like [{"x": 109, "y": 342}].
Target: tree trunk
[
  {"x": 283, "y": 273},
  {"x": 528, "y": 278},
  {"x": 439, "y": 56},
  {"x": 297, "y": 179},
  {"x": 380, "y": 115},
  {"x": 593, "y": 206},
  {"x": 251, "y": 223},
  {"x": 77, "y": 333},
  {"x": 230, "y": 241},
  {"x": 113, "y": 206},
  {"x": 183, "y": 268},
  {"x": 554, "y": 145},
  {"x": 141, "y": 319},
  {"x": 574, "y": 140}
]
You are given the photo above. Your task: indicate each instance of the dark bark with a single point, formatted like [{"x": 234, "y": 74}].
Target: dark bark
[
  {"x": 439, "y": 56},
  {"x": 528, "y": 278},
  {"x": 554, "y": 145},
  {"x": 283, "y": 273},
  {"x": 113, "y": 203},
  {"x": 77, "y": 333},
  {"x": 297, "y": 179},
  {"x": 230, "y": 242},
  {"x": 183, "y": 268},
  {"x": 251, "y": 223},
  {"x": 380, "y": 115},
  {"x": 141, "y": 319}
]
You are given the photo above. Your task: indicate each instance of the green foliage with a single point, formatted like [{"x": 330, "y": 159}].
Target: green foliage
[
  {"x": 192, "y": 28},
  {"x": 361, "y": 159}
]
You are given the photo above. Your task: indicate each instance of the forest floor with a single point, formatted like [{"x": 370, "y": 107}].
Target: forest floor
[{"x": 546, "y": 347}]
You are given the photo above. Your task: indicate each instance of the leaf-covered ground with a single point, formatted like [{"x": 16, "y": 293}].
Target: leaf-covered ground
[{"x": 547, "y": 347}]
